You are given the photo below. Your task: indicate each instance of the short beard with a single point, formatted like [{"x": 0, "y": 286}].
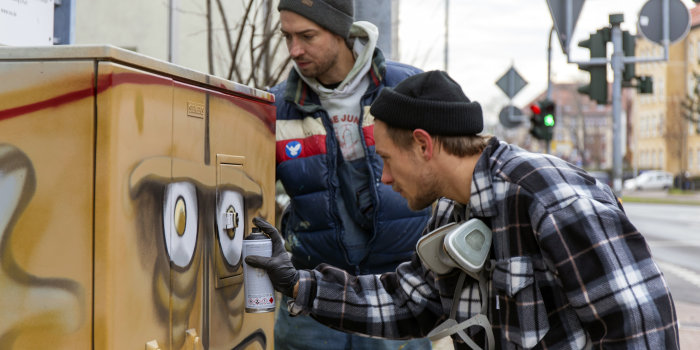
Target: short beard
[{"x": 430, "y": 193}]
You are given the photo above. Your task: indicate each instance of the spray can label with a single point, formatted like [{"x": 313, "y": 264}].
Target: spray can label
[{"x": 259, "y": 293}]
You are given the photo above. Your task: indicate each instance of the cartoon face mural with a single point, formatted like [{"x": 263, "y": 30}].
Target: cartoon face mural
[
  {"x": 125, "y": 196},
  {"x": 54, "y": 304},
  {"x": 190, "y": 221}
]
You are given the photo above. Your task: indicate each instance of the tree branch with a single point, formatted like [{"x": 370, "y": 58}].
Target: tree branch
[{"x": 234, "y": 53}]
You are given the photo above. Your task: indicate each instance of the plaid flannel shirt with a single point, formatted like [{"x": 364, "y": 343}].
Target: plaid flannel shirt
[{"x": 568, "y": 269}]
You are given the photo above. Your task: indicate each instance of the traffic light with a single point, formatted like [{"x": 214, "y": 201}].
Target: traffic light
[
  {"x": 548, "y": 116},
  {"x": 542, "y": 120},
  {"x": 597, "y": 89},
  {"x": 646, "y": 85}
]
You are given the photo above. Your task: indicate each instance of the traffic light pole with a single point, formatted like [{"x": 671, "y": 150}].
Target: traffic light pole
[
  {"x": 547, "y": 143},
  {"x": 617, "y": 63}
]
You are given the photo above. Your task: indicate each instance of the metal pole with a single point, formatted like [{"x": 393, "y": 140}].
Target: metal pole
[
  {"x": 547, "y": 143},
  {"x": 172, "y": 30},
  {"x": 377, "y": 12},
  {"x": 569, "y": 19},
  {"x": 665, "y": 26},
  {"x": 617, "y": 67},
  {"x": 549, "y": 64},
  {"x": 210, "y": 42},
  {"x": 447, "y": 26}
]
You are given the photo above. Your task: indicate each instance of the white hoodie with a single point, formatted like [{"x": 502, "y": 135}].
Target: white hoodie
[{"x": 343, "y": 102}]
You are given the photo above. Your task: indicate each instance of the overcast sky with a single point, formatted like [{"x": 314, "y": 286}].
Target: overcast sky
[{"x": 486, "y": 37}]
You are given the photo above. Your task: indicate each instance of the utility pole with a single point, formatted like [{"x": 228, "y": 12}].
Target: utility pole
[
  {"x": 547, "y": 143},
  {"x": 64, "y": 22},
  {"x": 617, "y": 67},
  {"x": 172, "y": 31},
  {"x": 379, "y": 13},
  {"x": 447, "y": 30}
]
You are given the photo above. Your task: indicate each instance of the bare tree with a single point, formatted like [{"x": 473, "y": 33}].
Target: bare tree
[
  {"x": 254, "y": 51},
  {"x": 691, "y": 104}
]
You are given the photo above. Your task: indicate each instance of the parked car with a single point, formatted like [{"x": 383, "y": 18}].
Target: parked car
[
  {"x": 650, "y": 180},
  {"x": 601, "y": 176}
]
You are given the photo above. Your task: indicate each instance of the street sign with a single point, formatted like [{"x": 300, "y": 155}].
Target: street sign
[
  {"x": 26, "y": 23},
  {"x": 510, "y": 116},
  {"x": 511, "y": 82},
  {"x": 651, "y": 21},
  {"x": 564, "y": 16}
]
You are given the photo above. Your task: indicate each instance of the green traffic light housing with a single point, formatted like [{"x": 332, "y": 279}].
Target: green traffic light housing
[
  {"x": 597, "y": 89},
  {"x": 646, "y": 85}
]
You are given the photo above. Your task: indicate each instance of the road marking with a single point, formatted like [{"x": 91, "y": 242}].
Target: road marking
[
  {"x": 668, "y": 243},
  {"x": 688, "y": 275}
]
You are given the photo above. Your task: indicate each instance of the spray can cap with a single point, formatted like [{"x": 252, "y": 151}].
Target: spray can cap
[{"x": 255, "y": 233}]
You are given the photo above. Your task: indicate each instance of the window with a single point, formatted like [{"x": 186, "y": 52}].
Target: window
[
  {"x": 645, "y": 126},
  {"x": 644, "y": 159},
  {"x": 690, "y": 158}
]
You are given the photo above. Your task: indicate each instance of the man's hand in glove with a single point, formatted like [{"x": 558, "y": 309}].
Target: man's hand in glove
[{"x": 279, "y": 266}]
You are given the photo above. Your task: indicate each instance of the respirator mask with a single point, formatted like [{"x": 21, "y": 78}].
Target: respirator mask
[{"x": 466, "y": 246}]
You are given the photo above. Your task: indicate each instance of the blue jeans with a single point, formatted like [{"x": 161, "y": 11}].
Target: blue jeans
[{"x": 303, "y": 332}]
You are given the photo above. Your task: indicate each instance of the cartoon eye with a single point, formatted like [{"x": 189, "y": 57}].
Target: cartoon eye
[
  {"x": 230, "y": 222},
  {"x": 180, "y": 222},
  {"x": 11, "y": 184}
]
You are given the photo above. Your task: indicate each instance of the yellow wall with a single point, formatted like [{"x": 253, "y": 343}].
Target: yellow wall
[
  {"x": 662, "y": 138},
  {"x": 693, "y": 66}
]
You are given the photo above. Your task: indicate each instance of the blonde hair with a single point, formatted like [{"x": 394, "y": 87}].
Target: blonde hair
[{"x": 460, "y": 146}]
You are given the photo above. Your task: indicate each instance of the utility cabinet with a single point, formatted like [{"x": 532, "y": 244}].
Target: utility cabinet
[{"x": 127, "y": 185}]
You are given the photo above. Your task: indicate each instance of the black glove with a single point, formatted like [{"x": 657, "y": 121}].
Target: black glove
[{"x": 279, "y": 267}]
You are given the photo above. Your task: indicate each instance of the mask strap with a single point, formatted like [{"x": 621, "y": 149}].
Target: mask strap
[{"x": 450, "y": 326}]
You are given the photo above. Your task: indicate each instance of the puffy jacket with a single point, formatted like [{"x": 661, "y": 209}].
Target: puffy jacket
[{"x": 308, "y": 161}]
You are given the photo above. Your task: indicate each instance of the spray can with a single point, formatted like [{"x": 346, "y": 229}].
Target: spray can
[{"x": 259, "y": 293}]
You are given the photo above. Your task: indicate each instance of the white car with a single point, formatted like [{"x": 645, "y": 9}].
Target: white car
[{"x": 650, "y": 180}]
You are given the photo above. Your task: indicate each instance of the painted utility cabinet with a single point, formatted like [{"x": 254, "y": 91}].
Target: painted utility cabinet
[{"x": 127, "y": 185}]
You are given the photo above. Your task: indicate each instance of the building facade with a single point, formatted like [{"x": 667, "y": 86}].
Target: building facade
[
  {"x": 692, "y": 127},
  {"x": 662, "y": 136}
]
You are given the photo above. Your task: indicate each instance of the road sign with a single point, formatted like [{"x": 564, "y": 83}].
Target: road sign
[
  {"x": 564, "y": 16},
  {"x": 511, "y": 82},
  {"x": 510, "y": 116},
  {"x": 651, "y": 21}
]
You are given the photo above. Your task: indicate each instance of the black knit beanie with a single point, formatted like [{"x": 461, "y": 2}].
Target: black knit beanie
[
  {"x": 335, "y": 15},
  {"x": 431, "y": 101}
]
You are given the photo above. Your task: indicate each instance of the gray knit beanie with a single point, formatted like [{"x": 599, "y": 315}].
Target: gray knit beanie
[
  {"x": 431, "y": 101},
  {"x": 335, "y": 15}
]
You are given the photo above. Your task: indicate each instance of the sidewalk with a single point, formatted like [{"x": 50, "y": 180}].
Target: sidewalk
[
  {"x": 690, "y": 198},
  {"x": 689, "y": 324}
]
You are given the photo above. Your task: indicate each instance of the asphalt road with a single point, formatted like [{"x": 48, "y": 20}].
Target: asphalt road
[{"x": 672, "y": 232}]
